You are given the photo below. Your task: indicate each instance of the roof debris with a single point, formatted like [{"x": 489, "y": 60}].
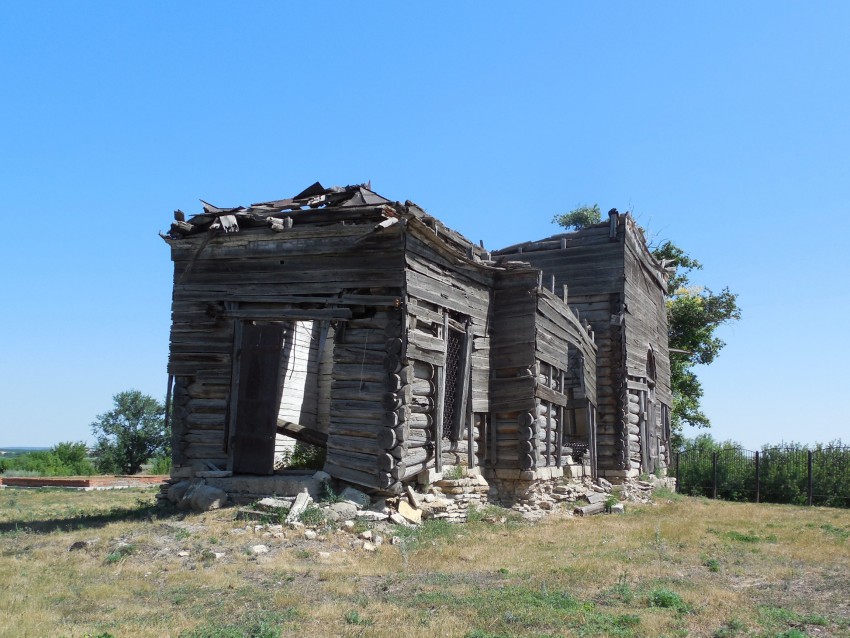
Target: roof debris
[{"x": 314, "y": 196}]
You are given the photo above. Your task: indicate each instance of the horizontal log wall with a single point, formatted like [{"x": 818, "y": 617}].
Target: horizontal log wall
[
  {"x": 645, "y": 327},
  {"x": 302, "y": 273},
  {"x": 591, "y": 265},
  {"x": 361, "y": 393},
  {"x": 512, "y": 374},
  {"x": 442, "y": 289},
  {"x": 646, "y": 323}
]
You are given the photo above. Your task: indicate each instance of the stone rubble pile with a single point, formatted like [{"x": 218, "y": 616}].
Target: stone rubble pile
[{"x": 449, "y": 497}]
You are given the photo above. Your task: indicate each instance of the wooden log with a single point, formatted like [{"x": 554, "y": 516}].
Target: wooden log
[
  {"x": 301, "y": 433},
  {"x": 392, "y": 362},
  {"x": 391, "y": 401},
  {"x": 393, "y": 328},
  {"x": 360, "y": 462},
  {"x": 386, "y": 462},
  {"x": 204, "y": 421},
  {"x": 412, "y": 435},
  {"x": 370, "y": 479},
  {"x": 366, "y": 394},
  {"x": 421, "y": 404},
  {"x": 422, "y": 387},
  {"x": 589, "y": 510},
  {"x": 404, "y": 472},
  {"x": 388, "y": 438},
  {"x": 394, "y": 345},
  {"x": 387, "y": 482},
  {"x": 391, "y": 418},
  {"x": 422, "y": 370},
  {"x": 420, "y": 421},
  {"x": 359, "y": 372}
]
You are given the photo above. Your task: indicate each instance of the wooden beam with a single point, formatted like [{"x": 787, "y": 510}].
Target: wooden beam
[{"x": 302, "y": 433}]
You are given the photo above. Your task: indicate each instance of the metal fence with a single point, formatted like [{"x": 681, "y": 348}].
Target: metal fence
[{"x": 796, "y": 475}]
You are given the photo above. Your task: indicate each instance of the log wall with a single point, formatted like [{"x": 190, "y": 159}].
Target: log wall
[
  {"x": 646, "y": 328},
  {"x": 615, "y": 285},
  {"x": 444, "y": 293},
  {"x": 337, "y": 281},
  {"x": 590, "y": 264},
  {"x": 539, "y": 351}
]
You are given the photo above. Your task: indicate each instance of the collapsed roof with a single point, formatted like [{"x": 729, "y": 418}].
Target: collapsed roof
[{"x": 312, "y": 197}]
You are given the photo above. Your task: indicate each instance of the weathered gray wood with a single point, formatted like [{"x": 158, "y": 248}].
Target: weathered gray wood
[
  {"x": 301, "y": 433},
  {"x": 589, "y": 510}
]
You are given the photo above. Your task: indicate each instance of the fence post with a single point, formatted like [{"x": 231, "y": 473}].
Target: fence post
[
  {"x": 678, "y": 477},
  {"x": 714, "y": 475},
  {"x": 758, "y": 479},
  {"x": 811, "y": 483}
]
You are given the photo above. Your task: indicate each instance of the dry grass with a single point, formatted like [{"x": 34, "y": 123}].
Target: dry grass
[{"x": 680, "y": 567}]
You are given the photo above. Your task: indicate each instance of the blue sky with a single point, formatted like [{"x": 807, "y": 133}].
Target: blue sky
[{"x": 722, "y": 126}]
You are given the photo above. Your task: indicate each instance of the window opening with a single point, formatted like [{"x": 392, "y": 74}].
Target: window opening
[
  {"x": 650, "y": 367},
  {"x": 454, "y": 356}
]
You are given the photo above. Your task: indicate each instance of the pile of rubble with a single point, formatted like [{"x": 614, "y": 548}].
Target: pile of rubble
[
  {"x": 448, "y": 498},
  {"x": 535, "y": 498}
]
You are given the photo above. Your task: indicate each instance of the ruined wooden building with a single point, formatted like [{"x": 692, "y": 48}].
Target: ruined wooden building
[{"x": 345, "y": 320}]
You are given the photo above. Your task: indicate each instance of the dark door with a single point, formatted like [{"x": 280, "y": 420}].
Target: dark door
[{"x": 257, "y": 402}]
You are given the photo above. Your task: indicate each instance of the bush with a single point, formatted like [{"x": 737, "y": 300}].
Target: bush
[
  {"x": 160, "y": 465},
  {"x": 307, "y": 457},
  {"x": 668, "y": 599},
  {"x": 63, "y": 459}
]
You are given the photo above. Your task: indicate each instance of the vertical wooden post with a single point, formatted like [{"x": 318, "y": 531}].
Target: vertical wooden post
[
  {"x": 233, "y": 396},
  {"x": 811, "y": 481},
  {"x": 591, "y": 413},
  {"x": 168, "y": 401},
  {"x": 613, "y": 217},
  {"x": 552, "y": 284},
  {"x": 566, "y": 290},
  {"x": 758, "y": 478},
  {"x": 714, "y": 475},
  {"x": 678, "y": 476},
  {"x": 644, "y": 433},
  {"x": 494, "y": 443},
  {"x": 559, "y": 434},
  {"x": 467, "y": 404}
]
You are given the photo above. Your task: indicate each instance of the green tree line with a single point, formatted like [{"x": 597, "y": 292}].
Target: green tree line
[
  {"x": 783, "y": 472},
  {"x": 132, "y": 434}
]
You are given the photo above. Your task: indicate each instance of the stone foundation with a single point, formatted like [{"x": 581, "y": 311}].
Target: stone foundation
[{"x": 454, "y": 497}]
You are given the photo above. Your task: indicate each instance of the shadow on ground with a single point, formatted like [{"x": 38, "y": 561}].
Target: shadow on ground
[{"x": 91, "y": 521}]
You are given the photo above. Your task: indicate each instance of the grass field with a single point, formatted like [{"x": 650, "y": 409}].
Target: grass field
[{"x": 680, "y": 567}]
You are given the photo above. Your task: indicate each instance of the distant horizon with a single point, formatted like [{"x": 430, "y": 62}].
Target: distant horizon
[{"x": 716, "y": 439}]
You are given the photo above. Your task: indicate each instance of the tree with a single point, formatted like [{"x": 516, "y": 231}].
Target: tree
[
  {"x": 693, "y": 315},
  {"x": 131, "y": 433},
  {"x": 579, "y": 217}
]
